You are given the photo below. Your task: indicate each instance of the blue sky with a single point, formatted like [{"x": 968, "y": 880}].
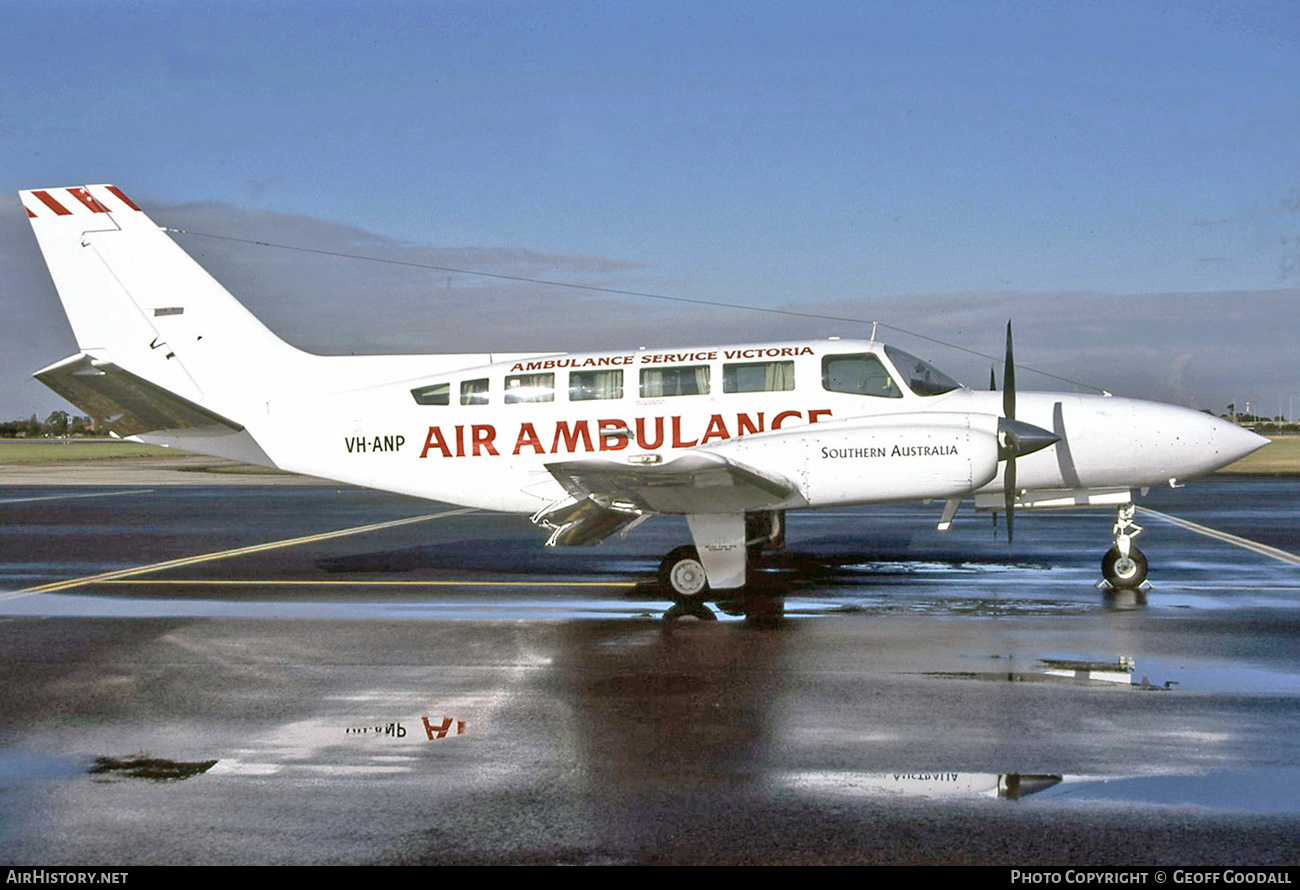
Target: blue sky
[{"x": 1121, "y": 177}]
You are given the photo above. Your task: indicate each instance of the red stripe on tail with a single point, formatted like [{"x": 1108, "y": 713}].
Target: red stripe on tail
[
  {"x": 123, "y": 198},
  {"x": 54, "y": 205},
  {"x": 88, "y": 199}
]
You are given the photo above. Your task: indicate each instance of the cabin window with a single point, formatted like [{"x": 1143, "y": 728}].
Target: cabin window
[
  {"x": 589, "y": 385},
  {"x": 474, "y": 392},
  {"x": 921, "y": 377},
  {"x": 862, "y": 374},
  {"x": 758, "y": 377},
  {"x": 689, "y": 380},
  {"x": 530, "y": 388},
  {"x": 434, "y": 394}
]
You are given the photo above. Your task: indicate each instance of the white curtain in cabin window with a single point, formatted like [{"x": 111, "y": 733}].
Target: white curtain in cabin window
[
  {"x": 758, "y": 377},
  {"x": 588, "y": 385},
  {"x": 701, "y": 380},
  {"x": 779, "y": 377},
  {"x": 687, "y": 381},
  {"x": 652, "y": 383},
  {"x": 530, "y": 388}
]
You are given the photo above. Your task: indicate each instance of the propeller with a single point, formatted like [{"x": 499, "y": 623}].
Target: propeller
[
  {"x": 1009, "y": 437},
  {"x": 1015, "y": 438}
]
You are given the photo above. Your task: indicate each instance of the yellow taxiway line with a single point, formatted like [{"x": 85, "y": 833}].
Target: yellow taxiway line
[
  {"x": 120, "y": 574},
  {"x": 272, "y": 582},
  {"x": 1253, "y": 546}
]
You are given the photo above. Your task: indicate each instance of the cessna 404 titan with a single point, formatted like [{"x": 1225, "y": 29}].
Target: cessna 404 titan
[{"x": 590, "y": 444}]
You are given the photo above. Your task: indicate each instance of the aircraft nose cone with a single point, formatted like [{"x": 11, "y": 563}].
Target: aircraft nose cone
[
  {"x": 1128, "y": 442},
  {"x": 1197, "y": 443},
  {"x": 1234, "y": 442}
]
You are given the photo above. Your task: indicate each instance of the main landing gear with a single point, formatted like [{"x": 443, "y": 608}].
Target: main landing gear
[
  {"x": 1124, "y": 566},
  {"x": 683, "y": 572}
]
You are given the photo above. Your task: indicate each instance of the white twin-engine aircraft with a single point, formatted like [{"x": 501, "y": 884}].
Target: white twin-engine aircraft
[{"x": 589, "y": 444}]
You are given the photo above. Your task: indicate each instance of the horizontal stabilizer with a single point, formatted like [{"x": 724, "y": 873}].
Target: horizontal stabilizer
[{"x": 128, "y": 404}]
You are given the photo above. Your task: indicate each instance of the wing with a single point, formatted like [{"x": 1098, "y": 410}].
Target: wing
[{"x": 605, "y": 496}]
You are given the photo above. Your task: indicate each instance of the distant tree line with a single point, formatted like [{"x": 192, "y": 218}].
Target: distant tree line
[
  {"x": 59, "y": 423},
  {"x": 1260, "y": 423}
]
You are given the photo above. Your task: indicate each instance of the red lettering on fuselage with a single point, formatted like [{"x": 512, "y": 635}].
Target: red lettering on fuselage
[
  {"x": 601, "y": 361},
  {"x": 783, "y": 417},
  {"x": 482, "y": 436},
  {"x": 435, "y": 440},
  {"x": 612, "y": 434},
  {"x": 717, "y": 429},
  {"x": 528, "y": 436},
  {"x": 677, "y": 435},
  {"x": 571, "y": 436},
  {"x": 641, "y": 440}
]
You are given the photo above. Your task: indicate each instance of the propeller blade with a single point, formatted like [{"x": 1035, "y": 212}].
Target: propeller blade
[
  {"x": 1011, "y": 437},
  {"x": 1009, "y": 381},
  {"x": 1009, "y": 498},
  {"x": 993, "y": 378}
]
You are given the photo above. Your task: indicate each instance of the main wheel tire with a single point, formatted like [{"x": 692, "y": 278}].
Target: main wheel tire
[
  {"x": 1121, "y": 573},
  {"x": 683, "y": 573}
]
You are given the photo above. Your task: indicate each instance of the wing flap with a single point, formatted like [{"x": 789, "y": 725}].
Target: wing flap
[{"x": 699, "y": 482}]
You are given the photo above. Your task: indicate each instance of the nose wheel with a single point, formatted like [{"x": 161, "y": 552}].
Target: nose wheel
[
  {"x": 1124, "y": 567},
  {"x": 1124, "y": 572}
]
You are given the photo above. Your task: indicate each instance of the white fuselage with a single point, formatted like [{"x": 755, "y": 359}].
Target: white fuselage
[{"x": 485, "y": 439}]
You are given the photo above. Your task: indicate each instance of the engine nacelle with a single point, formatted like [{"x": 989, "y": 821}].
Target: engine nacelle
[{"x": 899, "y": 457}]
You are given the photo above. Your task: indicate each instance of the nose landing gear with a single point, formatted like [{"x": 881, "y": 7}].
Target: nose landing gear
[{"x": 1124, "y": 567}]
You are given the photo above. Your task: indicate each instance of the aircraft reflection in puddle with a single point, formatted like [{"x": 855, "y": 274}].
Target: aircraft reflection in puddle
[
  {"x": 755, "y": 608},
  {"x": 1119, "y": 671},
  {"x": 1010, "y": 786},
  {"x": 1235, "y": 790}
]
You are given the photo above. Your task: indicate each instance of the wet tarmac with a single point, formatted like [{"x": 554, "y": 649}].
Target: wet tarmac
[{"x": 303, "y": 674}]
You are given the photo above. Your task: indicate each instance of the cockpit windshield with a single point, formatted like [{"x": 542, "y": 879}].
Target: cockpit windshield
[{"x": 921, "y": 377}]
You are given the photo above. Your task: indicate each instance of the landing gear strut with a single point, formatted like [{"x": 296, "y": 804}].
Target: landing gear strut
[
  {"x": 718, "y": 565},
  {"x": 1124, "y": 566}
]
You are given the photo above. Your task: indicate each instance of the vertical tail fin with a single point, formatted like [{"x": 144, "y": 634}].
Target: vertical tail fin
[{"x": 138, "y": 302}]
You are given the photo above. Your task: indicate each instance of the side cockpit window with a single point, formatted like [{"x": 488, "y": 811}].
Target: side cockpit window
[
  {"x": 860, "y": 374},
  {"x": 921, "y": 377}
]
